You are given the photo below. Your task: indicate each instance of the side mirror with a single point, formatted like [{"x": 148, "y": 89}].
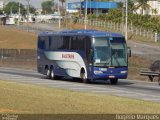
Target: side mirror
[{"x": 129, "y": 51}]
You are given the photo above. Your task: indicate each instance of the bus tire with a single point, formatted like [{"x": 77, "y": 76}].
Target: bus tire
[
  {"x": 114, "y": 81},
  {"x": 47, "y": 73},
  {"x": 52, "y": 74},
  {"x": 83, "y": 78}
]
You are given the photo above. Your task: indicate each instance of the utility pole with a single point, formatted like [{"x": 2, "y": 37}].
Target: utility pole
[
  {"x": 28, "y": 10},
  {"x": 80, "y": 8},
  {"x": 123, "y": 20},
  {"x": 85, "y": 18},
  {"x": 19, "y": 13},
  {"x": 59, "y": 21},
  {"x": 126, "y": 25}
]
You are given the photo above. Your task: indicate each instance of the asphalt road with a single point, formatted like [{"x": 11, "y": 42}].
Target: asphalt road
[
  {"x": 126, "y": 88},
  {"x": 144, "y": 50}
]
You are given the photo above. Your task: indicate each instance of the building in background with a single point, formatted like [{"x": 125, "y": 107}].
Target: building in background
[
  {"x": 154, "y": 8},
  {"x": 92, "y": 7}
]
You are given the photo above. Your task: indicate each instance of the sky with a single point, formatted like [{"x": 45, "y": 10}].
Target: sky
[{"x": 37, "y": 3}]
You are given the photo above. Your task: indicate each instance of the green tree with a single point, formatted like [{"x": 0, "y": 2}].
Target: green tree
[
  {"x": 1, "y": 11},
  {"x": 14, "y": 8},
  {"x": 143, "y": 5},
  {"x": 32, "y": 10},
  {"x": 131, "y": 6},
  {"x": 47, "y": 7},
  {"x": 154, "y": 11}
]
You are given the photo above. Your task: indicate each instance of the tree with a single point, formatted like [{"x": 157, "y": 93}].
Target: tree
[
  {"x": 143, "y": 5},
  {"x": 32, "y": 10},
  {"x": 47, "y": 7},
  {"x": 1, "y": 11},
  {"x": 13, "y": 7},
  {"x": 131, "y": 6},
  {"x": 154, "y": 11}
]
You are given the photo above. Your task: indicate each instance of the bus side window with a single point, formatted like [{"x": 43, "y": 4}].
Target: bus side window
[
  {"x": 78, "y": 43},
  {"x": 59, "y": 42},
  {"x": 41, "y": 43},
  {"x": 53, "y": 45},
  {"x": 47, "y": 42},
  {"x": 66, "y": 40},
  {"x": 73, "y": 43}
]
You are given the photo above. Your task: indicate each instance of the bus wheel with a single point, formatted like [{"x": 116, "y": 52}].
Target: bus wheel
[
  {"x": 114, "y": 81},
  {"x": 47, "y": 73},
  {"x": 52, "y": 74},
  {"x": 84, "y": 79}
]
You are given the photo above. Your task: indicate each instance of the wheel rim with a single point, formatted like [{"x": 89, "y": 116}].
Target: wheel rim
[
  {"x": 52, "y": 74},
  {"x": 83, "y": 77},
  {"x": 47, "y": 73}
]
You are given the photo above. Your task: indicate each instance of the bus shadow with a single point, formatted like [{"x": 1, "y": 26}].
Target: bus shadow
[
  {"x": 75, "y": 80},
  {"x": 96, "y": 82}
]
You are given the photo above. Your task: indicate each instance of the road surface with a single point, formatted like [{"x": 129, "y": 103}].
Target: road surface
[
  {"x": 125, "y": 88},
  {"x": 144, "y": 50}
]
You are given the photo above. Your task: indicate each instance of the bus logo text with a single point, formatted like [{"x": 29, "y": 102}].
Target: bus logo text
[{"x": 70, "y": 56}]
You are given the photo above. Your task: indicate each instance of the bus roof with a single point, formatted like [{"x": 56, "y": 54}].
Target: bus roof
[{"x": 92, "y": 33}]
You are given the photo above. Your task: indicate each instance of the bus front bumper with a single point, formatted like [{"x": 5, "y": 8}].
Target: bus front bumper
[{"x": 109, "y": 73}]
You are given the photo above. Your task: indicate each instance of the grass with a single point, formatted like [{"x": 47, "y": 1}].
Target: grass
[
  {"x": 17, "y": 39},
  {"x": 30, "y": 99}
]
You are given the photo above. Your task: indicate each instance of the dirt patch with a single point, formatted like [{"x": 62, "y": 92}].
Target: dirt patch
[
  {"x": 30, "y": 64},
  {"x": 17, "y": 39},
  {"x": 8, "y": 111}
]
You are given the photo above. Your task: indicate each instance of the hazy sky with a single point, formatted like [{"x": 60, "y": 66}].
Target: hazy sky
[{"x": 37, "y": 3}]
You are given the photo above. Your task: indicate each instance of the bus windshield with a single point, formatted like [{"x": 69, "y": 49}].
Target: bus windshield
[
  {"x": 109, "y": 52},
  {"x": 101, "y": 51},
  {"x": 118, "y": 52}
]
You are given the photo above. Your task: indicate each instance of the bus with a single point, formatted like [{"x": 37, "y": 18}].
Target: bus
[{"x": 86, "y": 54}]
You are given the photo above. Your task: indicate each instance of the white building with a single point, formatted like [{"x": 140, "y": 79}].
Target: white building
[
  {"x": 154, "y": 10},
  {"x": 1, "y": 4}
]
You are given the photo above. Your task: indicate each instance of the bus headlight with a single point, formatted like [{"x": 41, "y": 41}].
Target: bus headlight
[
  {"x": 123, "y": 72},
  {"x": 97, "y": 72}
]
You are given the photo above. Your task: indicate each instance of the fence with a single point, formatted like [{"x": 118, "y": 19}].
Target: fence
[
  {"x": 22, "y": 58},
  {"x": 120, "y": 28},
  {"x": 28, "y": 28},
  {"x": 109, "y": 26}
]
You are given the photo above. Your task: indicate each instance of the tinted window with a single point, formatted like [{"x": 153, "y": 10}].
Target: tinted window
[
  {"x": 40, "y": 43},
  {"x": 43, "y": 42},
  {"x": 53, "y": 45},
  {"x": 78, "y": 43},
  {"x": 46, "y": 42},
  {"x": 117, "y": 40},
  {"x": 59, "y": 43},
  {"x": 66, "y": 40}
]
